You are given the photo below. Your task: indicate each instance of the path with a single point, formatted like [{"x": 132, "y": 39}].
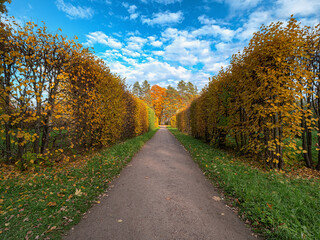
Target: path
[{"x": 161, "y": 194}]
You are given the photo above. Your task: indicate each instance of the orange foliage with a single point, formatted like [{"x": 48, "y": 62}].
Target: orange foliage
[
  {"x": 263, "y": 100},
  {"x": 54, "y": 90}
]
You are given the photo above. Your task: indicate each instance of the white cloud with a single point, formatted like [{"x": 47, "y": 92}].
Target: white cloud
[
  {"x": 136, "y": 43},
  {"x": 166, "y": 2},
  {"x": 253, "y": 24},
  {"x": 102, "y": 38},
  {"x": 216, "y": 31},
  {"x": 131, "y": 10},
  {"x": 158, "y": 53},
  {"x": 74, "y": 12},
  {"x": 186, "y": 51},
  {"x": 203, "y": 19},
  {"x": 163, "y": 18},
  {"x": 297, "y": 7},
  {"x": 236, "y": 5},
  {"x": 154, "y": 42},
  {"x": 131, "y": 53},
  {"x": 153, "y": 70}
]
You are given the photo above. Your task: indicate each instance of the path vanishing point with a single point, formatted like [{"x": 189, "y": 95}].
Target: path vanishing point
[{"x": 162, "y": 194}]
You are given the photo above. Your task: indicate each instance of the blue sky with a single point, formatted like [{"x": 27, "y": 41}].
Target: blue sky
[{"x": 163, "y": 41}]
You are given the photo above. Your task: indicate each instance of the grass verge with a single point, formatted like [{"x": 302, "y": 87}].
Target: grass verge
[
  {"x": 276, "y": 206},
  {"x": 44, "y": 205}
]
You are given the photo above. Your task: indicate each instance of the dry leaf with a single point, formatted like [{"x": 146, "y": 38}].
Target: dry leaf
[
  {"x": 78, "y": 192},
  {"x": 51, "y": 204},
  {"x": 120, "y": 221},
  {"x": 216, "y": 198}
]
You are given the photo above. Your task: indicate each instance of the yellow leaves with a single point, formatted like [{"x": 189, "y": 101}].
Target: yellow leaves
[
  {"x": 51, "y": 204},
  {"x": 5, "y": 117}
]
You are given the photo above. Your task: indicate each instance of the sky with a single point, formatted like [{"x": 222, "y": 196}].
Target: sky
[{"x": 163, "y": 41}]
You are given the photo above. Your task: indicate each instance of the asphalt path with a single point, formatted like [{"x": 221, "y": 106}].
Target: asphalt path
[{"x": 161, "y": 194}]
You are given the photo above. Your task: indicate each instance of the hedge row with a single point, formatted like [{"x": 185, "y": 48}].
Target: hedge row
[
  {"x": 57, "y": 95},
  {"x": 266, "y": 100}
]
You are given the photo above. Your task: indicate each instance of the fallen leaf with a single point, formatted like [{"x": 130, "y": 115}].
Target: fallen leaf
[
  {"x": 78, "y": 192},
  {"x": 51, "y": 204},
  {"x": 222, "y": 214},
  {"x": 120, "y": 221},
  {"x": 216, "y": 198},
  {"x": 269, "y": 205},
  {"x": 146, "y": 177}
]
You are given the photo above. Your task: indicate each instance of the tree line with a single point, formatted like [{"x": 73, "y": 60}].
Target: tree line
[
  {"x": 165, "y": 101},
  {"x": 267, "y": 99},
  {"x": 57, "y": 95}
]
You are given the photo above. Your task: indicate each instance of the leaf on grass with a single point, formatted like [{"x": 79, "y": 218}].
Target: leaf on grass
[
  {"x": 78, "y": 192},
  {"x": 51, "y": 204}
]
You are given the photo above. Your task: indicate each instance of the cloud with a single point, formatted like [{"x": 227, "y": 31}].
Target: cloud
[
  {"x": 165, "y": 2},
  {"x": 236, "y": 5},
  {"x": 203, "y": 19},
  {"x": 131, "y": 10},
  {"x": 154, "y": 42},
  {"x": 297, "y": 7},
  {"x": 216, "y": 31},
  {"x": 135, "y": 43},
  {"x": 74, "y": 12},
  {"x": 102, "y": 38},
  {"x": 153, "y": 70},
  {"x": 164, "y": 18},
  {"x": 253, "y": 24},
  {"x": 187, "y": 51}
]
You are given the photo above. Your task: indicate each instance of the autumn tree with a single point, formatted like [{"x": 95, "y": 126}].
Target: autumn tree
[
  {"x": 265, "y": 99},
  {"x": 3, "y": 8},
  {"x": 158, "y": 95},
  {"x": 55, "y": 88}
]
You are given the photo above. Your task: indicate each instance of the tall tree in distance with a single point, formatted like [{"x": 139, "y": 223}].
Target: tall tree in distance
[
  {"x": 146, "y": 92},
  {"x": 136, "y": 89}
]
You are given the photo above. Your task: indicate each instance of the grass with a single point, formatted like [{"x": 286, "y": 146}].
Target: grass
[
  {"x": 44, "y": 205},
  {"x": 276, "y": 206}
]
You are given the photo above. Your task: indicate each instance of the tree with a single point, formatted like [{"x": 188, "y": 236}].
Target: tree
[
  {"x": 146, "y": 92},
  {"x": 158, "y": 95},
  {"x": 3, "y": 8},
  {"x": 136, "y": 89},
  {"x": 182, "y": 87},
  {"x": 171, "y": 104}
]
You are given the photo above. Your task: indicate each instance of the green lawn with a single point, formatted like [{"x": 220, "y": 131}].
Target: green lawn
[
  {"x": 278, "y": 207},
  {"x": 47, "y": 203}
]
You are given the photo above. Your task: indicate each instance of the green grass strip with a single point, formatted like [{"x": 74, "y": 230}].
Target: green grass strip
[
  {"x": 276, "y": 206},
  {"x": 49, "y": 203}
]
